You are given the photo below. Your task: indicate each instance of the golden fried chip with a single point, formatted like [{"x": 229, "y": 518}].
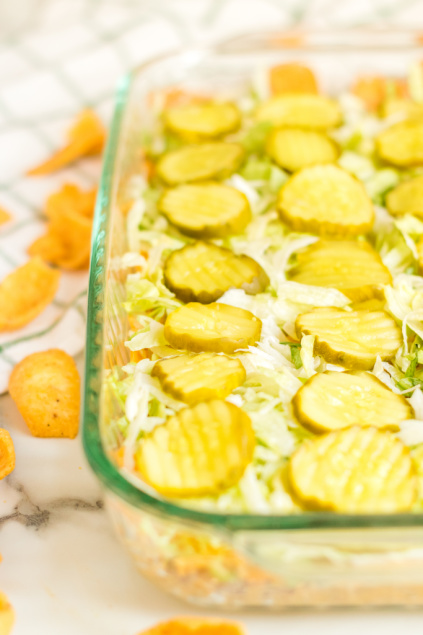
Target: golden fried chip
[
  {"x": 48, "y": 247},
  {"x": 374, "y": 90},
  {"x": 7, "y": 454},
  {"x": 25, "y": 293},
  {"x": 292, "y": 78},
  {"x": 67, "y": 243},
  {"x": 71, "y": 198},
  {"x": 7, "y": 615},
  {"x": 195, "y": 626},
  {"x": 4, "y": 216},
  {"x": 46, "y": 389},
  {"x": 174, "y": 97},
  {"x": 86, "y": 137}
]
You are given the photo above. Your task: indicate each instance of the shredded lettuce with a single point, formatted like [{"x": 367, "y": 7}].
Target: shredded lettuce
[
  {"x": 306, "y": 353},
  {"x": 380, "y": 183},
  {"x": 257, "y": 169},
  {"x": 148, "y": 337},
  {"x": 362, "y": 167},
  {"x": 143, "y": 296},
  {"x": 240, "y": 183},
  {"x": 255, "y": 138}
]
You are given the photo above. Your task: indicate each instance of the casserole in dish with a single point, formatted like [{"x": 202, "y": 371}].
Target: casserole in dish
[{"x": 268, "y": 530}]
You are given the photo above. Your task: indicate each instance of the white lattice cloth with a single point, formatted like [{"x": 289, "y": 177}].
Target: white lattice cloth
[{"x": 62, "y": 55}]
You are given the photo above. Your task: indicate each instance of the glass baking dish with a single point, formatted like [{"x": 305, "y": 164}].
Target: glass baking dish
[{"x": 312, "y": 559}]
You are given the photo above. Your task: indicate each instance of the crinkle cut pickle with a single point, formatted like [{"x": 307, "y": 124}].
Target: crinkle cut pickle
[{"x": 318, "y": 195}]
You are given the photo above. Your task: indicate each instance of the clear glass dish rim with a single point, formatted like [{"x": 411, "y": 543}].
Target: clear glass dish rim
[{"x": 106, "y": 472}]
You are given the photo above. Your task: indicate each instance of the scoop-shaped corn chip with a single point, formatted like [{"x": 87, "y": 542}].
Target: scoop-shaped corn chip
[
  {"x": 326, "y": 200},
  {"x": 4, "y": 216},
  {"x": 352, "y": 267},
  {"x": 202, "y": 377},
  {"x": 173, "y": 97},
  {"x": 203, "y": 121},
  {"x": 375, "y": 90},
  {"x": 71, "y": 198},
  {"x": 352, "y": 339},
  {"x": 402, "y": 143},
  {"x": 292, "y": 78},
  {"x": 215, "y": 327},
  {"x": 201, "y": 450},
  {"x": 206, "y": 210},
  {"x": 332, "y": 400},
  {"x": 406, "y": 198},
  {"x": 7, "y": 454},
  {"x": 214, "y": 160},
  {"x": 67, "y": 243},
  {"x": 46, "y": 389},
  {"x": 85, "y": 137},
  {"x": 202, "y": 272},
  {"x": 294, "y": 148},
  {"x": 195, "y": 626},
  {"x": 48, "y": 247},
  {"x": 356, "y": 470},
  {"x": 7, "y": 615},
  {"x": 314, "y": 112},
  {"x": 25, "y": 293}
]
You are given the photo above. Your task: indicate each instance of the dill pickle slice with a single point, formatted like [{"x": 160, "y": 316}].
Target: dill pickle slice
[
  {"x": 354, "y": 268},
  {"x": 202, "y": 272},
  {"x": 214, "y": 160},
  {"x": 355, "y": 470},
  {"x": 206, "y": 210},
  {"x": 201, "y": 450},
  {"x": 374, "y": 304},
  {"x": 406, "y": 198},
  {"x": 402, "y": 143},
  {"x": 293, "y": 148},
  {"x": 332, "y": 401},
  {"x": 201, "y": 377},
  {"x": 326, "y": 200},
  {"x": 352, "y": 339},
  {"x": 202, "y": 121},
  {"x": 314, "y": 112},
  {"x": 216, "y": 327}
]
